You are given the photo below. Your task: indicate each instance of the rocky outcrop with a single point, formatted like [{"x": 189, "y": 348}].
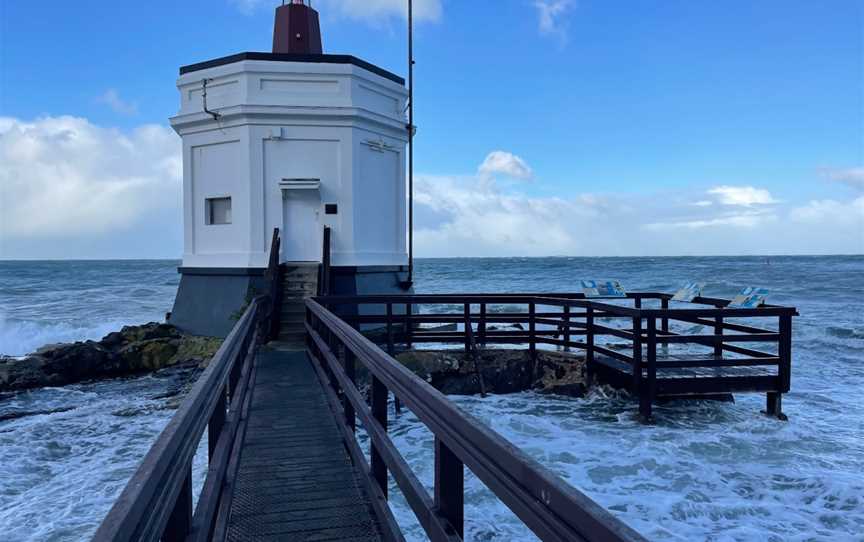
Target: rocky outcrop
[
  {"x": 132, "y": 350},
  {"x": 502, "y": 371}
]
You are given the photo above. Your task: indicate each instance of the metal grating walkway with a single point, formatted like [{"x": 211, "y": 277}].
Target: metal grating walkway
[{"x": 296, "y": 481}]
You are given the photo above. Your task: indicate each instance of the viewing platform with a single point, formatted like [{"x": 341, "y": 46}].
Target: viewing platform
[{"x": 638, "y": 343}]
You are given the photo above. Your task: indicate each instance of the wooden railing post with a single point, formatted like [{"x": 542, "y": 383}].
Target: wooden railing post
[
  {"x": 350, "y": 365},
  {"x": 774, "y": 405},
  {"x": 217, "y": 420},
  {"x": 718, "y": 330},
  {"x": 664, "y": 323},
  {"x": 324, "y": 286},
  {"x": 646, "y": 395},
  {"x": 589, "y": 345},
  {"x": 566, "y": 327},
  {"x": 390, "y": 349},
  {"x": 379, "y": 412},
  {"x": 180, "y": 522},
  {"x": 481, "y": 327},
  {"x": 637, "y": 354},
  {"x": 409, "y": 326},
  {"x": 450, "y": 487},
  {"x": 532, "y": 337},
  {"x": 467, "y": 322},
  {"x": 784, "y": 350}
]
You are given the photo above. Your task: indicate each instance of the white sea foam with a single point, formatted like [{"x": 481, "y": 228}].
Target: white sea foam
[
  {"x": 705, "y": 471},
  {"x": 19, "y": 338}
]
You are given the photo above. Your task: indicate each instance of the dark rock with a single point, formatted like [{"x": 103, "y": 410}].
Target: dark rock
[
  {"x": 132, "y": 350},
  {"x": 503, "y": 371}
]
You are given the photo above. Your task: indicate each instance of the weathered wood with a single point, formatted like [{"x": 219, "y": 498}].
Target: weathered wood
[
  {"x": 145, "y": 506},
  {"x": 413, "y": 490},
  {"x": 450, "y": 486},
  {"x": 350, "y": 368},
  {"x": 390, "y": 348},
  {"x": 548, "y": 506},
  {"x": 532, "y": 339},
  {"x": 180, "y": 521},
  {"x": 379, "y": 412},
  {"x": 217, "y": 422},
  {"x": 785, "y": 352},
  {"x": 646, "y": 397}
]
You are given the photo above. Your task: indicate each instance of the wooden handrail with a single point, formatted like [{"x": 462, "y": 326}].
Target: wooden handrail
[
  {"x": 157, "y": 501},
  {"x": 547, "y": 505}
]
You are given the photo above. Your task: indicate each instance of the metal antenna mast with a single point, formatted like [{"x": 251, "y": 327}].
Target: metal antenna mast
[{"x": 410, "y": 141}]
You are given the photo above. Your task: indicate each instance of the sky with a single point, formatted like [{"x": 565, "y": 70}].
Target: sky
[{"x": 545, "y": 127}]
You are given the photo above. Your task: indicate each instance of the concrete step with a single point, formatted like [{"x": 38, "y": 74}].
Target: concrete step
[
  {"x": 293, "y": 338},
  {"x": 292, "y": 327},
  {"x": 305, "y": 278},
  {"x": 299, "y": 281},
  {"x": 299, "y": 295},
  {"x": 292, "y": 317},
  {"x": 304, "y": 290}
]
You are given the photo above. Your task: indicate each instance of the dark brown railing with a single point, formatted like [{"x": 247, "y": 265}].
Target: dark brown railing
[
  {"x": 572, "y": 322},
  {"x": 157, "y": 501},
  {"x": 552, "y": 509}
]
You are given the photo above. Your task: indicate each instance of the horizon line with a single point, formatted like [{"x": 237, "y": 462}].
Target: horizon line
[{"x": 559, "y": 256}]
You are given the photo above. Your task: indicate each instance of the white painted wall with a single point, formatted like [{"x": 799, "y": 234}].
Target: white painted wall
[{"x": 282, "y": 120}]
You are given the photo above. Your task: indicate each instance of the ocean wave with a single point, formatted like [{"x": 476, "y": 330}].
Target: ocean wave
[
  {"x": 845, "y": 332},
  {"x": 19, "y": 338}
]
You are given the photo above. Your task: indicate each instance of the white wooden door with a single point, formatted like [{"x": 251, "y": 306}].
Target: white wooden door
[{"x": 301, "y": 236}]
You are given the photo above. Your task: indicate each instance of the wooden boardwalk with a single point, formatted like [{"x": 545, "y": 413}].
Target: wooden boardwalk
[
  {"x": 284, "y": 461},
  {"x": 295, "y": 479}
]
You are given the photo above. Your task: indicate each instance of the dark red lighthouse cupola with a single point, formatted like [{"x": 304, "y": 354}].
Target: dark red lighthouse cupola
[{"x": 296, "y": 30}]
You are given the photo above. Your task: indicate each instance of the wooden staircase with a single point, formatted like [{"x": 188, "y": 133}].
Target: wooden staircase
[{"x": 299, "y": 281}]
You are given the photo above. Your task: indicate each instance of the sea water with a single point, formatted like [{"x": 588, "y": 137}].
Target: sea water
[{"x": 703, "y": 471}]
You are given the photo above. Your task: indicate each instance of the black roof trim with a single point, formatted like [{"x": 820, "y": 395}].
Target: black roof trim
[{"x": 277, "y": 57}]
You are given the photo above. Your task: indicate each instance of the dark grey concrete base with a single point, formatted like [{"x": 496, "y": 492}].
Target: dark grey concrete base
[
  {"x": 384, "y": 280},
  {"x": 369, "y": 280},
  {"x": 210, "y": 301}
]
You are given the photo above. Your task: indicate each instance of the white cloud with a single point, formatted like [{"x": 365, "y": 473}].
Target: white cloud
[
  {"x": 112, "y": 99},
  {"x": 505, "y": 163},
  {"x": 852, "y": 177},
  {"x": 424, "y": 10},
  {"x": 827, "y": 210},
  {"x": 737, "y": 220},
  {"x": 742, "y": 195},
  {"x": 475, "y": 216},
  {"x": 64, "y": 177},
  {"x": 247, "y": 7},
  {"x": 550, "y": 16}
]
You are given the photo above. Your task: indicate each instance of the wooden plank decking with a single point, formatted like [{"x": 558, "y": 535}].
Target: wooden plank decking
[{"x": 295, "y": 479}]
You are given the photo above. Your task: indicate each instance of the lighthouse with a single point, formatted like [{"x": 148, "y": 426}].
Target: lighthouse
[{"x": 293, "y": 139}]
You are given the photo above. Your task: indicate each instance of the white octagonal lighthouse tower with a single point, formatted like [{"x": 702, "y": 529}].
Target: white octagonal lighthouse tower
[{"x": 296, "y": 140}]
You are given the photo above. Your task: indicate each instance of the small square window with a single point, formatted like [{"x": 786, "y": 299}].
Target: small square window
[{"x": 218, "y": 210}]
